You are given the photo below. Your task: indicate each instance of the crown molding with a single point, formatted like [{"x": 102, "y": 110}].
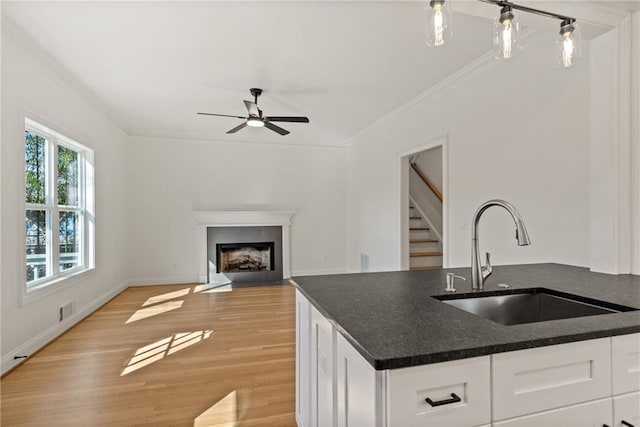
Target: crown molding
[
  {"x": 206, "y": 138},
  {"x": 45, "y": 62}
]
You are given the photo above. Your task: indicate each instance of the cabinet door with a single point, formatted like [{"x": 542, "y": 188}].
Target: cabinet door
[
  {"x": 626, "y": 408},
  {"x": 356, "y": 387},
  {"x": 592, "y": 414},
  {"x": 321, "y": 370},
  {"x": 539, "y": 379},
  {"x": 303, "y": 357},
  {"x": 625, "y": 353}
]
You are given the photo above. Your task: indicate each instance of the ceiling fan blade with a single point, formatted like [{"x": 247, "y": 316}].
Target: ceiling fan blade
[
  {"x": 276, "y": 128},
  {"x": 237, "y": 128},
  {"x": 287, "y": 119},
  {"x": 221, "y": 115},
  {"x": 252, "y": 108}
]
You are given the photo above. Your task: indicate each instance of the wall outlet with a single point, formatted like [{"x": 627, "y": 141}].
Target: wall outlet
[
  {"x": 65, "y": 311},
  {"x": 364, "y": 262}
]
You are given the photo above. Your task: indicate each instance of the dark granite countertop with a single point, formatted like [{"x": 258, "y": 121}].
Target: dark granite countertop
[{"x": 393, "y": 321}]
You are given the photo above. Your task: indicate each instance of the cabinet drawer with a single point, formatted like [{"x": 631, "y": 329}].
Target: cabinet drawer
[
  {"x": 626, "y": 408},
  {"x": 467, "y": 379},
  {"x": 625, "y": 354},
  {"x": 539, "y": 379},
  {"x": 592, "y": 414}
]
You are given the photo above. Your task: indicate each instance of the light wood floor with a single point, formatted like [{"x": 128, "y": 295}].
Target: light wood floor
[{"x": 165, "y": 356}]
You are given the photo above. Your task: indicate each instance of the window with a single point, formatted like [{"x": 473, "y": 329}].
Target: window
[{"x": 58, "y": 206}]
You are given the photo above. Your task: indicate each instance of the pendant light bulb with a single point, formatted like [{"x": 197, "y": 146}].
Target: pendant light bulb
[
  {"x": 438, "y": 22},
  {"x": 568, "y": 43},
  {"x": 505, "y": 34}
]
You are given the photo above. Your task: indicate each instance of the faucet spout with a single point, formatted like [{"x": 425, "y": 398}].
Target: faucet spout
[{"x": 479, "y": 272}]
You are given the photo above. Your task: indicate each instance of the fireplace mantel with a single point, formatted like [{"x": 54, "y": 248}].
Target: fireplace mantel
[{"x": 206, "y": 219}]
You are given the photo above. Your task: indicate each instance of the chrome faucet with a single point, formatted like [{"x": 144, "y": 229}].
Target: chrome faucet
[{"x": 479, "y": 272}]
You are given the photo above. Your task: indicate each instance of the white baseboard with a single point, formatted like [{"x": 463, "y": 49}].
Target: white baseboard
[
  {"x": 45, "y": 337},
  {"x": 177, "y": 280},
  {"x": 295, "y": 273}
]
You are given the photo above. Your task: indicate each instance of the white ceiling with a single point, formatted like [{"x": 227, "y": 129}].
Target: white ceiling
[{"x": 155, "y": 64}]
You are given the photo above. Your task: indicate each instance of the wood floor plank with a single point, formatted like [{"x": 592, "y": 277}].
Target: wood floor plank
[{"x": 165, "y": 356}]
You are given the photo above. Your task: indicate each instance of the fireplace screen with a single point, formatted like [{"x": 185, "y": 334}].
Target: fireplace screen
[{"x": 245, "y": 257}]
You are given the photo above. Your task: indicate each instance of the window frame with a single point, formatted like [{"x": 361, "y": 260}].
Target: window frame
[{"x": 84, "y": 208}]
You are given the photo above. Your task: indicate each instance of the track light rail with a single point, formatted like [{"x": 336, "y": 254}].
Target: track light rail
[{"x": 503, "y": 3}]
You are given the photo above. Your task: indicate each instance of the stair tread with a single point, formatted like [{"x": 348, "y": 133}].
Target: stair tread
[
  {"x": 421, "y": 254},
  {"x": 418, "y": 228},
  {"x": 435, "y": 267},
  {"x": 423, "y": 241}
]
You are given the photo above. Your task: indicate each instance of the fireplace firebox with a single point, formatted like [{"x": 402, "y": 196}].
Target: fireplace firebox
[
  {"x": 245, "y": 257},
  {"x": 244, "y": 254}
]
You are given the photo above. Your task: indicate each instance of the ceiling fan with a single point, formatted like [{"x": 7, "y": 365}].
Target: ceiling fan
[{"x": 257, "y": 120}]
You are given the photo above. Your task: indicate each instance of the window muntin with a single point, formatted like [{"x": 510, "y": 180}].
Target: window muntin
[{"x": 58, "y": 232}]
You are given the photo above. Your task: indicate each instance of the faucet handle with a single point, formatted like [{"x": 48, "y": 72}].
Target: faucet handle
[{"x": 487, "y": 269}]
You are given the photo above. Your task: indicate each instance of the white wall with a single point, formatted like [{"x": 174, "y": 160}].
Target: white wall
[
  {"x": 168, "y": 180},
  {"x": 604, "y": 154},
  {"x": 635, "y": 142},
  {"x": 32, "y": 87},
  {"x": 524, "y": 138}
]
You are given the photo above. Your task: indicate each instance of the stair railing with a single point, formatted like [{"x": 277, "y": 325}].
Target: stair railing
[{"x": 427, "y": 181}]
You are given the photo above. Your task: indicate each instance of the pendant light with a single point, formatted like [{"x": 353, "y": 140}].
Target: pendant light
[
  {"x": 505, "y": 33},
  {"x": 438, "y": 20},
  {"x": 568, "y": 43},
  {"x": 505, "y": 29}
]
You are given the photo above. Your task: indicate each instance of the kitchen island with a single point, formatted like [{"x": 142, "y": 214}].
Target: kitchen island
[{"x": 379, "y": 349}]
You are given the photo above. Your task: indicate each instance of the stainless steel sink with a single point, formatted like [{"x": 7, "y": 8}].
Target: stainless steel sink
[{"x": 520, "y": 306}]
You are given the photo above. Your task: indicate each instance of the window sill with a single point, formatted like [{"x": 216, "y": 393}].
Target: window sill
[{"x": 55, "y": 284}]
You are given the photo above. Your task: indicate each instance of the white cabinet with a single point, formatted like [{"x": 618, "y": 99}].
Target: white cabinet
[
  {"x": 626, "y": 409},
  {"x": 538, "y": 379},
  {"x": 591, "y": 414},
  {"x": 456, "y": 393},
  {"x": 591, "y": 383},
  {"x": 625, "y": 354},
  {"x": 321, "y": 370},
  {"x": 355, "y": 388},
  {"x": 303, "y": 361}
]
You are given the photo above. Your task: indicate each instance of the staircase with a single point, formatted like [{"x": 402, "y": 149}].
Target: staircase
[{"x": 425, "y": 249}]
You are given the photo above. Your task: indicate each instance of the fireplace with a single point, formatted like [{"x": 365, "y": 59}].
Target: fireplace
[
  {"x": 245, "y": 257},
  {"x": 244, "y": 254}
]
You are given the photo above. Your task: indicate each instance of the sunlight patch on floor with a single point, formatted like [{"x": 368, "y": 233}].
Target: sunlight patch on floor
[
  {"x": 157, "y": 309},
  {"x": 165, "y": 297},
  {"x": 149, "y": 354},
  {"x": 227, "y": 412},
  {"x": 210, "y": 288}
]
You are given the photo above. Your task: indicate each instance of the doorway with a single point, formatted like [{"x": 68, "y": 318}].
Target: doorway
[{"x": 423, "y": 207}]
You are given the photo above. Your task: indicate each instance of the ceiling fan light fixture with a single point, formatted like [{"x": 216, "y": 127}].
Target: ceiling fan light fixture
[
  {"x": 255, "y": 119},
  {"x": 255, "y": 122}
]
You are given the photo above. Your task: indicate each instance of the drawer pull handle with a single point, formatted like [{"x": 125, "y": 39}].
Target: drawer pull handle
[
  {"x": 454, "y": 399},
  {"x": 624, "y": 423}
]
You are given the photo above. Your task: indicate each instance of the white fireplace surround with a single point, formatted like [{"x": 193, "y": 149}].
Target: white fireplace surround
[{"x": 206, "y": 219}]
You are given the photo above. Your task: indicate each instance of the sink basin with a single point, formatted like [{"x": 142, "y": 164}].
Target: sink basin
[{"x": 518, "y": 306}]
